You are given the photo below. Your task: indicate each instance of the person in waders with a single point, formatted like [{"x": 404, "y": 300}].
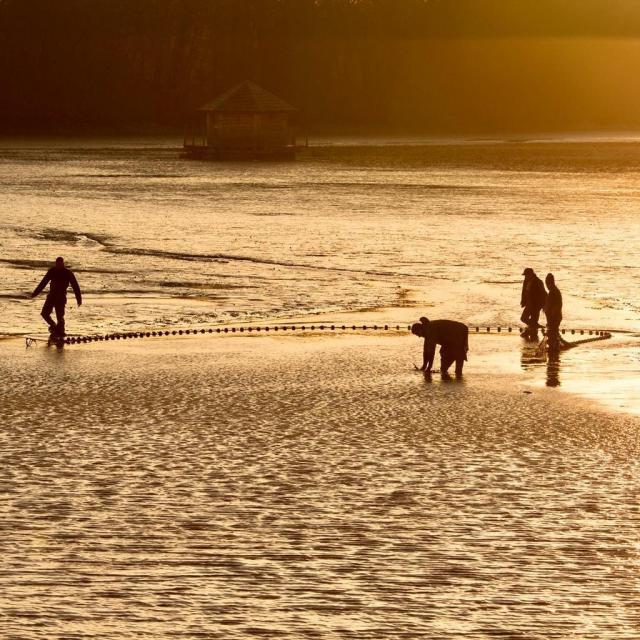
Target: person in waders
[
  {"x": 453, "y": 338},
  {"x": 61, "y": 278}
]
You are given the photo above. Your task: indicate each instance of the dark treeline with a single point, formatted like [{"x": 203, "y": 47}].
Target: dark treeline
[{"x": 442, "y": 66}]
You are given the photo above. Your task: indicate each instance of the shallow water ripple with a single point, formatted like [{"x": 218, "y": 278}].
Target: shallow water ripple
[{"x": 306, "y": 489}]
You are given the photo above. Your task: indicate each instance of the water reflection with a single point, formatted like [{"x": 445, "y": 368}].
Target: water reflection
[
  {"x": 553, "y": 367},
  {"x": 55, "y": 347},
  {"x": 536, "y": 354}
]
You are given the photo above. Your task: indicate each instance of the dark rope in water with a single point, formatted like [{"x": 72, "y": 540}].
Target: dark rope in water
[{"x": 597, "y": 334}]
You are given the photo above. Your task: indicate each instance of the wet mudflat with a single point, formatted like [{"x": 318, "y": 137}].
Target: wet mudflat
[{"x": 309, "y": 487}]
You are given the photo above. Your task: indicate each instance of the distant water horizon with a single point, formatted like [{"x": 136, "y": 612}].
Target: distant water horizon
[{"x": 146, "y": 136}]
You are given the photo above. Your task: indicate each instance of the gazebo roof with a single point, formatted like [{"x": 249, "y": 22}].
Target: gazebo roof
[{"x": 247, "y": 97}]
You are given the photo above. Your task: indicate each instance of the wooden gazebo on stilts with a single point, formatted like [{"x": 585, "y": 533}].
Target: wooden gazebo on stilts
[{"x": 246, "y": 122}]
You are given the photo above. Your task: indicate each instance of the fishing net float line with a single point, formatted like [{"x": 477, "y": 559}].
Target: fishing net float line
[{"x": 597, "y": 334}]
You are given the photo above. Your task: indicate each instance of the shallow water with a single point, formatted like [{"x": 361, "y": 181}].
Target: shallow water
[
  {"x": 161, "y": 241},
  {"x": 306, "y": 487},
  {"x": 309, "y": 488}
]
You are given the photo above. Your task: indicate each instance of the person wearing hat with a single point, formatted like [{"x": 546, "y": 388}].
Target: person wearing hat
[
  {"x": 453, "y": 338},
  {"x": 533, "y": 300}
]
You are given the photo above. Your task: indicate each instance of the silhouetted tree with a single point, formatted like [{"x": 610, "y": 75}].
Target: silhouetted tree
[{"x": 440, "y": 65}]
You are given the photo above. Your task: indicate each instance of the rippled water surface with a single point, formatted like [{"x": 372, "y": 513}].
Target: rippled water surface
[
  {"x": 305, "y": 487},
  {"x": 161, "y": 241},
  {"x": 310, "y": 486}
]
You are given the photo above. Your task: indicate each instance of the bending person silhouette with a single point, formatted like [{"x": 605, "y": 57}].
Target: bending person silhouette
[
  {"x": 533, "y": 300},
  {"x": 60, "y": 278},
  {"x": 453, "y": 338}
]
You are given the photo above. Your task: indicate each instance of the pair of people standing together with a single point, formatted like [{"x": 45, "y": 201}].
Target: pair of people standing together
[{"x": 536, "y": 298}]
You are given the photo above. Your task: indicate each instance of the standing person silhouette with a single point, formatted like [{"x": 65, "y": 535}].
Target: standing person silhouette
[
  {"x": 553, "y": 312},
  {"x": 60, "y": 277},
  {"x": 533, "y": 300}
]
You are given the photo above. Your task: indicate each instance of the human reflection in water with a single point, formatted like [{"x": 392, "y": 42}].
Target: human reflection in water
[
  {"x": 453, "y": 338},
  {"x": 553, "y": 366},
  {"x": 546, "y": 353}
]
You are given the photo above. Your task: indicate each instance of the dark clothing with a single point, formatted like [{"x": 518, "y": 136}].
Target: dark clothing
[
  {"x": 554, "y": 302},
  {"x": 533, "y": 293},
  {"x": 533, "y": 300},
  {"x": 448, "y": 356},
  {"x": 553, "y": 312},
  {"x": 454, "y": 340},
  {"x": 58, "y": 304},
  {"x": 531, "y": 317},
  {"x": 61, "y": 279}
]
